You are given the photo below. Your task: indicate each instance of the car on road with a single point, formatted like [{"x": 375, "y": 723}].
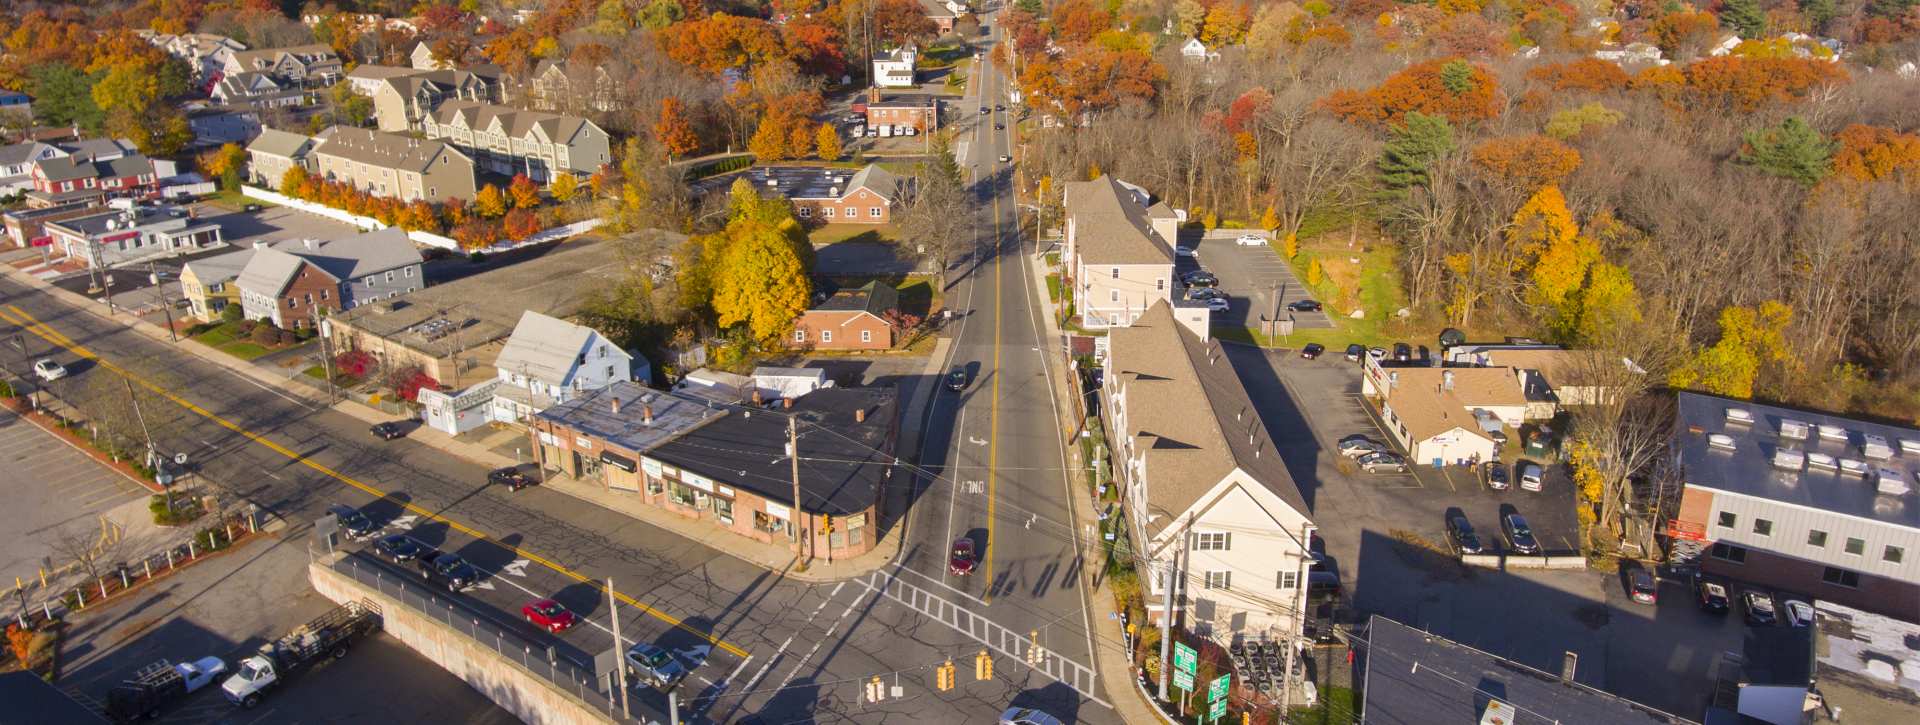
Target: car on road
[
  {"x": 1641, "y": 586},
  {"x": 1759, "y": 609},
  {"x": 1027, "y": 716},
  {"x": 1495, "y": 475},
  {"x": 1712, "y": 596},
  {"x": 1218, "y": 304},
  {"x": 387, "y": 431},
  {"x": 46, "y": 369},
  {"x": 549, "y": 615},
  {"x": 999, "y": 106},
  {"x": 1200, "y": 278},
  {"x": 399, "y": 548},
  {"x": 1383, "y": 463},
  {"x": 1460, "y": 532},
  {"x": 999, "y": 127},
  {"x": 356, "y": 524},
  {"x": 450, "y": 571},
  {"x": 200, "y": 672},
  {"x": 1205, "y": 293},
  {"x": 251, "y": 208},
  {"x": 1799, "y": 613},
  {"x": 654, "y": 666},
  {"x": 1355, "y": 351},
  {"x": 1304, "y": 306},
  {"x": 1312, "y": 350},
  {"x": 960, "y": 561},
  {"x": 984, "y": 110},
  {"x": 1531, "y": 478},
  {"x": 511, "y": 477},
  {"x": 1006, "y": 159},
  {"x": 1250, "y": 240},
  {"x": 1188, "y": 252},
  {"x": 1402, "y": 352},
  {"x": 1355, "y": 446},
  {"x": 957, "y": 379},
  {"x": 1519, "y": 536}
]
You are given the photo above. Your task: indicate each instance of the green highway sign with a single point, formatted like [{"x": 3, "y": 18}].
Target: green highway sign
[
  {"x": 1183, "y": 680},
  {"x": 1184, "y": 659},
  {"x": 1217, "y": 691},
  {"x": 1218, "y": 710}
]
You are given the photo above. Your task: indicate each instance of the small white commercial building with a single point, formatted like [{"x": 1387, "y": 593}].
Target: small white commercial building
[{"x": 1446, "y": 416}]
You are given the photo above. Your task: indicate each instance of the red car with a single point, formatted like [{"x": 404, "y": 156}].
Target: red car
[
  {"x": 961, "y": 561},
  {"x": 549, "y": 615}
]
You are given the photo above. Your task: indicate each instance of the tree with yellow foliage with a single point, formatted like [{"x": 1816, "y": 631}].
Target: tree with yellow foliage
[
  {"x": 564, "y": 186},
  {"x": 827, "y": 143},
  {"x": 490, "y": 203},
  {"x": 1749, "y": 338},
  {"x": 759, "y": 275}
]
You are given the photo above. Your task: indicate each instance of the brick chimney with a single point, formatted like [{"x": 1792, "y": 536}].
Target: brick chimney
[
  {"x": 757, "y": 400},
  {"x": 616, "y": 404},
  {"x": 646, "y": 414},
  {"x": 786, "y": 403},
  {"x": 873, "y": 94},
  {"x": 860, "y": 415}
]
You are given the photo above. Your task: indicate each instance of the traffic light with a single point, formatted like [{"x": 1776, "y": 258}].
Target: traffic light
[
  {"x": 983, "y": 666},
  {"x": 829, "y": 526},
  {"x": 943, "y": 676},
  {"x": 877, "y": 691}
]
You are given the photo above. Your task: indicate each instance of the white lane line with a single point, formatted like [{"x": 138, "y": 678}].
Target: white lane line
[
  {"x": 770, "y": 662},
  {"x": 309, "y": 407},
  {"x": 802, "y": 662}
]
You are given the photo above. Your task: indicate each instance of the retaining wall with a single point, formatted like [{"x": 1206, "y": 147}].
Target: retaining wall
[
  {"x": 428, "y": 238},
  {"x": 1502, "y": 561}
]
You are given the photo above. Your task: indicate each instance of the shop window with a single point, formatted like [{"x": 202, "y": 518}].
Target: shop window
[{"x": 723, "y": 510}]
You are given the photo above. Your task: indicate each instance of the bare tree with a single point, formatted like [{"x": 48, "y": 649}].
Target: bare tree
[
  {"x": 937, "y": 214},
  {"x": 1318, "y": 165},
  {"x": 1620, "y": 428},
  {"x": 91, "y": 546}
]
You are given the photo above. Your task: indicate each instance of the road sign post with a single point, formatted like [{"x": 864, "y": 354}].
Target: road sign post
[
  {"x": 1217, "y": 697},
  {"x": 1185, "y": 663}
]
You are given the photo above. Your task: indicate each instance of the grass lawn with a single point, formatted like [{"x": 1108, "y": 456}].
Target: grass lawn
[
  {"x": 837, "y": 233},
  {"x": 1053, "y": 288},
  {"x": 1336, "y": 705},
  {"x": 234, "y": 200},
  {"x": 223, "y": 338}
]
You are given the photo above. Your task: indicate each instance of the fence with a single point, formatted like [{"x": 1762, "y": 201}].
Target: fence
[
  {"x": 122, "y": 576},
  {"x": 1022, "y": 648},
  {"x": 561, "y": 672},
  {"x": 427, "y": 238}
]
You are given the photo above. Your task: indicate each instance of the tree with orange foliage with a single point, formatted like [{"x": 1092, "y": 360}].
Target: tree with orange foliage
[
  {"x": 1528, "y": 162},
  {"x": 720, "y": 41},
  {"x": 902, "y": 21},
  {"x": 520, "y": 224},
  {"x": 1585, "y": 74},
  {"x": 524, "y": 192},
  {"x": 673, "y": 131},
  {"x": 1749, "y": 83},
  {"x": 1871, "y": 153},
  {"x": 1686, "y": 32},
  {"x": 1093, "y": 79},
  {"x": 1449, "y": 87},
  {"x": 1077, "y": 21}
]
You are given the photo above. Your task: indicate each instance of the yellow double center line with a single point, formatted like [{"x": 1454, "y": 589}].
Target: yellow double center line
[{"x": 15, "y": 315}]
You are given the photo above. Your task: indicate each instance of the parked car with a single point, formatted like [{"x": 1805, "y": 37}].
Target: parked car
[
  {"x": 1354, "y": 351},
  {"x": 1531, "y": 477},
  {"x": 1205, "y": 293},
  {"x": 200, "y": 672},
  {"x": 1027, "y": 716},
  {"x": 1712, "y": 596},
  {"x": 1383, "y": 463},
  {"x": 957, "y": 379},
  {"x": 356, "y": 524},
  {"x": 1312, "y": 350},
  {"x": 1460, "y": 532},
  {"x": 1218, "y": 304},
  {"x": 1251, "y": 240},
  {"x": 398, "y": 548},
  {"x": 450, "y": 571},
  {"x": 511, "y": 477},
  {"x": 1355, "y": 446},
  {"x": 654, "y": 666},
  {"x": 1377, "y": 353},
  {"x": 1304, "y": 306},
  {"x": 1799, "y": 613},
  {"x": 549, "y": 615},
  {"x": 1519, "y": 536},
  {"x": 999, "y": 106},
  {"x": 46, "y": 369},
  {"x": 1005, "y": 159},
  {"x": 1200, "y": 278},
  {"x": 387, "y": 431},
  {"x": 251, "y": 207},
  {"x": 1402, "y": 352},
  {"x": 961, "y": 560},
  {"x": 999, "y": 127},
  {"x": 984, "y": 110},
  {"x": 1641, "y": 586},
  {"x": 1495, "y": 475},
  {"x": 1759, "y": 608},
  {"x": 1187, "y": 252}
]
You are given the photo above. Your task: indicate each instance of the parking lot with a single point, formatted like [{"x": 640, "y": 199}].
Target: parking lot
[
  {"x": 1251, "y": 275},
  {"x": 55, "y": 490},
  {"x": 1384, "y": 535}
]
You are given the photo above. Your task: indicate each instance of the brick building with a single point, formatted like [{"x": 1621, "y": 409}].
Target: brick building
[
  {"x": 903, "y": 111},
  {"x": 851, "y": 319},
  {"x": 831, "y": 195}
]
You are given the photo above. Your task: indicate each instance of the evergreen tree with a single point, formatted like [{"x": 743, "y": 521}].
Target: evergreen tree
[
  {"x": 1410, "y": 153},
  {"x": 1792, "y": 150},
  {"x": 1744, "y": 17}
]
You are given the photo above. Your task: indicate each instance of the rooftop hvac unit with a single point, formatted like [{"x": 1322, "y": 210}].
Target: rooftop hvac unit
[
  {"x": 1789, "y": 459},
  {"x": 1854, "y": 466},
  {"x": 1910, "y": 446},
  {"x": 1875, "y": 447},
  {"x": 1740, "y": 415},
  {"x": 1891, "y": 482},
  {"x": 1833, "y": 433},
  {"x": 1793, "y": 429},
  {"x": 1821, "y": 461},
  {"x": 1721, "y": 441},
  {"x": 435, "y": 329}
]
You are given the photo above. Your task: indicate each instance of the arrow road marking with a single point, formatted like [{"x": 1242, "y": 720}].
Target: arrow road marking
[
  {"x": 403, "y": 522},
  {"x": 976, "y": 441},
  {"x": 483, "y": 584},
  {"x": 517, "y": 568}
]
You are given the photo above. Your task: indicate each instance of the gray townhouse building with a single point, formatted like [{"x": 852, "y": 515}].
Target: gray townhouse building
[
  {"x": 505, "y": 140},
  {"x": 393, "y": 165},
  {"x": 271, "y": 154}
]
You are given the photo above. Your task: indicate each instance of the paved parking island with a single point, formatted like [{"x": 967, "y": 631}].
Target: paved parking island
[{"x": 1251, "y": 274}]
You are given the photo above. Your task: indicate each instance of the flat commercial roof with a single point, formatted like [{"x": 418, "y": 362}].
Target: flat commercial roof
[
  {"x": 1744, "y": 462},
  {"x": 843, "y": 463},
  {"x": 1418, "y": 678}
]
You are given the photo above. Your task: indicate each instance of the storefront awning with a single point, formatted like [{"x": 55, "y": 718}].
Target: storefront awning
[{"x": 621, "y": 462}]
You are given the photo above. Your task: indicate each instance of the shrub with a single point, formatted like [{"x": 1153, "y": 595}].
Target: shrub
[
  {"x": 407, "y": 382},
  {"x": 243, "y": 328},
  {"x": 354, "y": 363},
  {"x": 286, "y": 338},
  {"x": 265, "y": 333}
]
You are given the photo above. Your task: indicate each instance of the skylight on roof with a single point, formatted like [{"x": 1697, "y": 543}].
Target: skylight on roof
[
  {"x": 1832, "y": 432},
  {"x": 1788, "y": 458},
  {"x": 1891, "y": 482},
  {"x": 1721, "y": 441},
  {"x": 1821, "y": 460},
  {"x": 1854, "y": 466},
  {"x": 1910, "y": 446},
  {"x": 1875, "y": 447},
  {"x": 1793, "y": 429},
  {"x": 1740, "y": 415}
]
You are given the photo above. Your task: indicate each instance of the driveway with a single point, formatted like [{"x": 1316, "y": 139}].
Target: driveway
[{"x": 1252, "y": 275}]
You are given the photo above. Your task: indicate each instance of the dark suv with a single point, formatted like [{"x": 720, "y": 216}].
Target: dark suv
[
  {"x": 450, "y": 571},
  {"x": 957, "y": 379},
  {"x": 1462, "y": 535},
  {"x": 355, "y": 524}
]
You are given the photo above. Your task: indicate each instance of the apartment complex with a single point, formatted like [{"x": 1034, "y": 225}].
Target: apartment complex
[
  {"x": 1209, "y": 503},
  {"x": 274, "y": 152},
  {"x": 1800, "y": 501},
  {"x": 306, "y": 66},
  {"x": 1119, "y": 251},
  {"x": 507, "y": 141},
  {"x": 386, "y": 164},
  {"x": 403, "y": 98}
]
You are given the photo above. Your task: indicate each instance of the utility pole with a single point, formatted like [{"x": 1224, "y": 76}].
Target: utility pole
[
  {"x": 619, "y": 657},
  {"x": 1166, "y": 626},
  {"x": 793, "y": 456},
  {"x": 153, "y": 275},
  {"x": 326, "y": 357}
]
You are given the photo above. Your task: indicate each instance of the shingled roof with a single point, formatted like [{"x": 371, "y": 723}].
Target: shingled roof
[
  {"x": 515, "y": 122},
  {"x": 385, "y": 150},
  {"x": 1111, "y": 226}
]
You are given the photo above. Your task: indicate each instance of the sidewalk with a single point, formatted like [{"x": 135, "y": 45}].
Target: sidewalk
[{"x": 778, "y": 558}]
